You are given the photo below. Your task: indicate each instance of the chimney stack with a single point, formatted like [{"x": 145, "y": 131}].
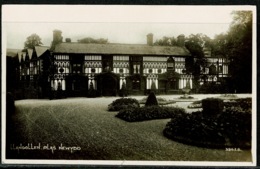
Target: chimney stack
[
  {"x": 68, "y": 40},
  {"x": 181, "y": 40},
  {"x": 150, "y": 39},
  {"x": 57, "y": 38}
]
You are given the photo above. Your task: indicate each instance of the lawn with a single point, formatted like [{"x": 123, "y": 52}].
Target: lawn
[{"x": 85, "y": 125}]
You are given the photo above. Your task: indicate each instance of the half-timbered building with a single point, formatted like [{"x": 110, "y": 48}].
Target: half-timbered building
[{"x": 74, "y": 68}]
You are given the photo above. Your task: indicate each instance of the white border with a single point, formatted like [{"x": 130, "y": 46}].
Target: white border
[{"x": 8, "y": 15}]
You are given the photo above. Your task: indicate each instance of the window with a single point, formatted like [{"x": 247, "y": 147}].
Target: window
[
  {"x": 76, "y": 68},
  {"x": 220, "y": 69},
  {"x": 136, "y": 68},
  {"x": 93, "y": 57},
  {"x": 121, "y": 58}
]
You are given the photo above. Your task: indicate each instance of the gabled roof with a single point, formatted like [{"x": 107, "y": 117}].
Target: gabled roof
[
  {"x": 127, "y": 49},
  {"x": 30, "y": 53},
  {"x": 41, "y": 50},
  {"x": 21, "y": 55},
  {"x": 12, "y": 52}
]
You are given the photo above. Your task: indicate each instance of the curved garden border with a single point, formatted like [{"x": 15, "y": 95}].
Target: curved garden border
[{"x": 189, "y": 141}]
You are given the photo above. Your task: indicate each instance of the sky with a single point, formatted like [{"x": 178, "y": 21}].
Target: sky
[{"x": 117, "y": 23}]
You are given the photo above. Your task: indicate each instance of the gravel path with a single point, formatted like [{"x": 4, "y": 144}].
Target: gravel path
[{"x": 86, "y": 123}]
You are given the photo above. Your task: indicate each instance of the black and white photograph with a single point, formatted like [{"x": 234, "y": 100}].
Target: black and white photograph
[{"x": 129, "y": 85}]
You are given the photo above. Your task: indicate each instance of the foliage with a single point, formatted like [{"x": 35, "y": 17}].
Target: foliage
[
  {"x": 229, "y": 129},
  {"x": 32, "y": 41},
  {"x": 186, "y": 97},
  {"x": 195, "y": 105},
  {"x": 161, "y": 101},
  {"x": 123, "y": 103},
  {"x": 151, "y": 100},
  {"x": 243, "y": 104},
  {"x": 193, "y": 64},
  {"x": 166, "y": 41},
  {"x": 236, "y": 45},
  {"x": 92, "y": 40},
  {"x": 213, "y": 88},
  {"x": 149, "y": 113},
  {"x": 212, "y": 106}
]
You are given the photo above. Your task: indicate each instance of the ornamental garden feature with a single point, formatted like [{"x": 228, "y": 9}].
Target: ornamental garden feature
[
  {"x": 219, "y": 125},
  {"x": 212, "y": 106},
  {"x": 161, "y": 101},
  {"x": 123, "y": 103},
  {"x": 152, "y": 110},
  {"x": 151, "y": 100}
]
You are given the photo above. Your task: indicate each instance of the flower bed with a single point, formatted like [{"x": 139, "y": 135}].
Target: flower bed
[
  {"x": 123, "y": 103},
  {"x": 228, "y": 96},
  {"x": 195, "y": 105},
  {"x": 244, "y": 103},
  {"x": 232, "y": 128},
  {"x": 149, "y": 113},
  {"x": 161, "y": 101},
  {"x": 186, "y": 97}
]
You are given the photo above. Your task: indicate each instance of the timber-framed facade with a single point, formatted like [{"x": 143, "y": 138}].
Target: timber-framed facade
[{"x": 72, "y": 69}]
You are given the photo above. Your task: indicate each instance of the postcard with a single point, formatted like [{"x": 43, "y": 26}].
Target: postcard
[{"x": 129, "y": 85}]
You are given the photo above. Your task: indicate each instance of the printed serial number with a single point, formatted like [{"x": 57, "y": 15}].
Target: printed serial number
[{"x": 233, "y": 149}]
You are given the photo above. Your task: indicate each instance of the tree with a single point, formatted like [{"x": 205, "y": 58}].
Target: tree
[
  {"x": 32, "y": 41},
  {"x": 151, "y": 100},
  {"x": 219, "y": 45},
  {"x": 166, "y": 41},
  {"x": 193, "y": 64},
  {"x": 92, "y": 40},
  {"x": 236, "y": 45}
]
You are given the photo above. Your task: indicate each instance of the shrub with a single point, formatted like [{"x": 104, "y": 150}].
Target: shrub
[
  {"x": 212, "y": 106},
  {"x": 241, "y": 105},
  {"x": 123, "y": 103},
  {"x": 229, "y": 129},
  {"x": 195, "y": 105},
  {"x": 160, "y": 100},
  {"x": 151, "y": 100},
  {"x": 149, "y": 113},
  {"x": 186, "y": 97}
]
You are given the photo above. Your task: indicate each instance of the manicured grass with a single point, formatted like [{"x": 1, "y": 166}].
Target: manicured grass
[{"x": 85, "y": 123}]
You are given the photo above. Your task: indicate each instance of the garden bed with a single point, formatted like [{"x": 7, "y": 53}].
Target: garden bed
[
  {"x": 195, "y": 105},
  {"x": 231, "y": 128},
  {"x": 160, "y": 100},
  {"x": 123, "y": 103},
  {"x": 185, "y": 98},
  {"x": 149, "y": 113}
]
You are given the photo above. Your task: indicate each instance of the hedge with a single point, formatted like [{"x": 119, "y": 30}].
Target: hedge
[
  {"x": 149, "y": 113},
  {"x": 123, "y": 103},
  {"x": 232, "y": 128}
]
